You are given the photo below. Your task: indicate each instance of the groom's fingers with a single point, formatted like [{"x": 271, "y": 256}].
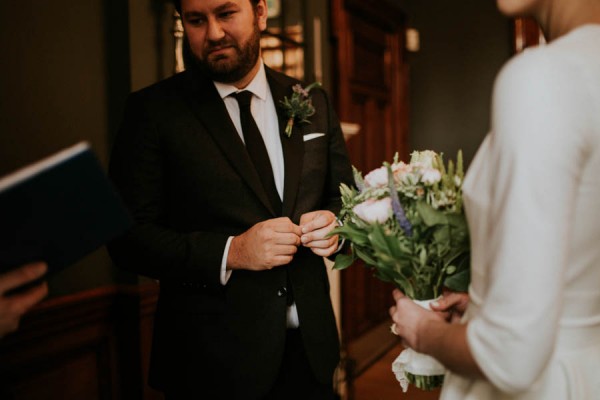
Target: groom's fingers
[
  {"x": 317, "y": 220},
  {"x": 319, "y": 241},
  {"x": 283, "y": 225}
]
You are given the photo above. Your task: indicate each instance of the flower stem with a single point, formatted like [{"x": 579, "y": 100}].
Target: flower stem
[{"x": 288, "y": 128}]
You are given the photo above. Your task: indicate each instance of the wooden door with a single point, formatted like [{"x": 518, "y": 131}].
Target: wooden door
[
  {"x": 527, "y": 33},
  {"x": 371, "y": 83}
]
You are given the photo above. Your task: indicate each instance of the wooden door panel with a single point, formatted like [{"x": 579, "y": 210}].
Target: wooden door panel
[
  {"x": 369, "y": 149},
  {"x": 370, "y": 301},
  {"x": 371, "y": 91},
  {"x": 527, "y": 33},
  {"x": 369, "y": 49}
]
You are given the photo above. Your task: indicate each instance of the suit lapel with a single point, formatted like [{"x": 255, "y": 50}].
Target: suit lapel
[
  {"x": 293, "y": 146},
  {"x": 209, "y": 108}
]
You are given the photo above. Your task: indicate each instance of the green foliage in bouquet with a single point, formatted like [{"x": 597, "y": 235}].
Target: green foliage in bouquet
[
  {"x": 425, "y": 382},
  {"x": 406, "y": 221}
]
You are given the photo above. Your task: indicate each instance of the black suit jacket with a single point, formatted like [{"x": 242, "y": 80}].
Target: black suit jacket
[{"x": 189, "y": 183}]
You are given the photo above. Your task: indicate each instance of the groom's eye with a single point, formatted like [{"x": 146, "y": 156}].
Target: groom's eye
[
  {"x": 194, "y": 19},
  {"x": 226, "y": 14}
]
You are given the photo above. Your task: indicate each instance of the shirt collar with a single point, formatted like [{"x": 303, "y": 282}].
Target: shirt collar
[{"x": 258, "y": 86}]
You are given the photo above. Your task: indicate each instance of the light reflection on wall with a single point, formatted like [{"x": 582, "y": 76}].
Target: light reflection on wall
[{"x": 284, "y": 52}]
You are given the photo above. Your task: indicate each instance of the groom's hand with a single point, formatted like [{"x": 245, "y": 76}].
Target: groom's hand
[
  {"x": 266, "y": 245},
  {"x": 316, "y": 225}
]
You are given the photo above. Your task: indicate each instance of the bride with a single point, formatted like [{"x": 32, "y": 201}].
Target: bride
[{"x": 531, "y": 329}]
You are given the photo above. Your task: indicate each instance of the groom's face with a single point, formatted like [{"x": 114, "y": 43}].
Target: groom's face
[{"x": 224, "y": 35}]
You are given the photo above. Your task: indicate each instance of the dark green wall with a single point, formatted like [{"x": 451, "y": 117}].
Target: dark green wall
[
  {"x": 54, "y": 92},
  {"x": 463, "y": 46},
  {"x": 64, "y": 77}
]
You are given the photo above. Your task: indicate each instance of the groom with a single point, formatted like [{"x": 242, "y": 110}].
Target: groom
[{"x": 232, "y": 217}]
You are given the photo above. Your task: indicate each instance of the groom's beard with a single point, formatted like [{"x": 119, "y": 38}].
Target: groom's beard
[{"x": 229, "y": 69}]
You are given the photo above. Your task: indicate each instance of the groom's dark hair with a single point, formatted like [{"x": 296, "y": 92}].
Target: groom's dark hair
[{"x": 178, "y": 4}]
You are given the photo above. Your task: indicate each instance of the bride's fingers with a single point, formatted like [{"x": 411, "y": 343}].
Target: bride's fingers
[
  {"x": 455, "y": 318},
  {"x": 397, "y": 294},
  {"x": 446, "y": 315},
  {"x": 442, "y": 303},
  {"x": 448, "y": 301}
]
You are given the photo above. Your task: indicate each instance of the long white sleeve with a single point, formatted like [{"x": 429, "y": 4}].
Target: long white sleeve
[{"x": 538, "y": 157}]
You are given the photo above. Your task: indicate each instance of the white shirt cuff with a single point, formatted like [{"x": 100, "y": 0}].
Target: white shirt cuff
[
  {"x": 292, "y": 320},
  {"x": 225, "y": 274}
]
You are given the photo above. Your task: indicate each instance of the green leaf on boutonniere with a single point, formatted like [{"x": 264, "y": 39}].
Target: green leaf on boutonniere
[{"x": 299, "y": 106}]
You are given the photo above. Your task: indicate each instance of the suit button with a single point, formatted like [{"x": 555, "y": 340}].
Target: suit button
[{"x": 282, "y": 292}]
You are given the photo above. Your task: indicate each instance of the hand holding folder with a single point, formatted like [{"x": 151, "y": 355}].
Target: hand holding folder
[{"x": 14, "y": 306}]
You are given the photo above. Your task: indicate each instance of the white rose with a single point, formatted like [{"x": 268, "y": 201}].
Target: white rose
[
  {"x": 374, "y": 210},
  {"x": 377, "y": 178},
  {"x": 431, "y": 176},
  {"x": 424, "y": 158},
  {"x": 457, "y": 180}
]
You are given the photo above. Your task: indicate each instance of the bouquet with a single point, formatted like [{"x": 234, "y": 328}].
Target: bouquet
[{"x": 406, "y": 222}]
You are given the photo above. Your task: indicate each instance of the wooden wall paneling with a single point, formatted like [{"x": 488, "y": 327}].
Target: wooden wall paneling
[
  {"x": 149, "y": 296},
  {"x": 82, "y": 346},
  {"x": 60, "y": 346}
]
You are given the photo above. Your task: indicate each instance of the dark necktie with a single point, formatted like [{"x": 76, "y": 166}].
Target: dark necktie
[{"x": 257, "y": 150}]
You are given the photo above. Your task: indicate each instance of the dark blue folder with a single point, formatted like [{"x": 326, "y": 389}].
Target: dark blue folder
[{"x": 58, "y": 210}]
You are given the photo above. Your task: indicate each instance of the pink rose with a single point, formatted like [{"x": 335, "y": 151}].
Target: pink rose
[
  {"x": 401, "y": 171},
  {"x": 374, "y": 210}
]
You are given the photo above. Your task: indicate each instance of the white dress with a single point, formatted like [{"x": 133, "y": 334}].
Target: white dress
[{"x": 532, "y": 196}]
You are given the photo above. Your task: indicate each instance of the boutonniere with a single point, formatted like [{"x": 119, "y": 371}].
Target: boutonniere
[{"x": 299, "y": 107}]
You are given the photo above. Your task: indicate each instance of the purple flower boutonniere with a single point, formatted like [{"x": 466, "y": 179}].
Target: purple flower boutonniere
[{"x": 299, "y": 107}]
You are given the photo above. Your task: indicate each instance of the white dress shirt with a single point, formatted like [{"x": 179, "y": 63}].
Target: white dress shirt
[{"x": 264, "y": 113}]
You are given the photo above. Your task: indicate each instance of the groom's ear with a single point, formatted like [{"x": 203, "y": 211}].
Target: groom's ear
[{"x": 261, "y": 12}]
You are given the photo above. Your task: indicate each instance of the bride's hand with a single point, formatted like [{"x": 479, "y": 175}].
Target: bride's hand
[
  {"x": 408, "y": 319},
  {"x": 452, "y": 305}
]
